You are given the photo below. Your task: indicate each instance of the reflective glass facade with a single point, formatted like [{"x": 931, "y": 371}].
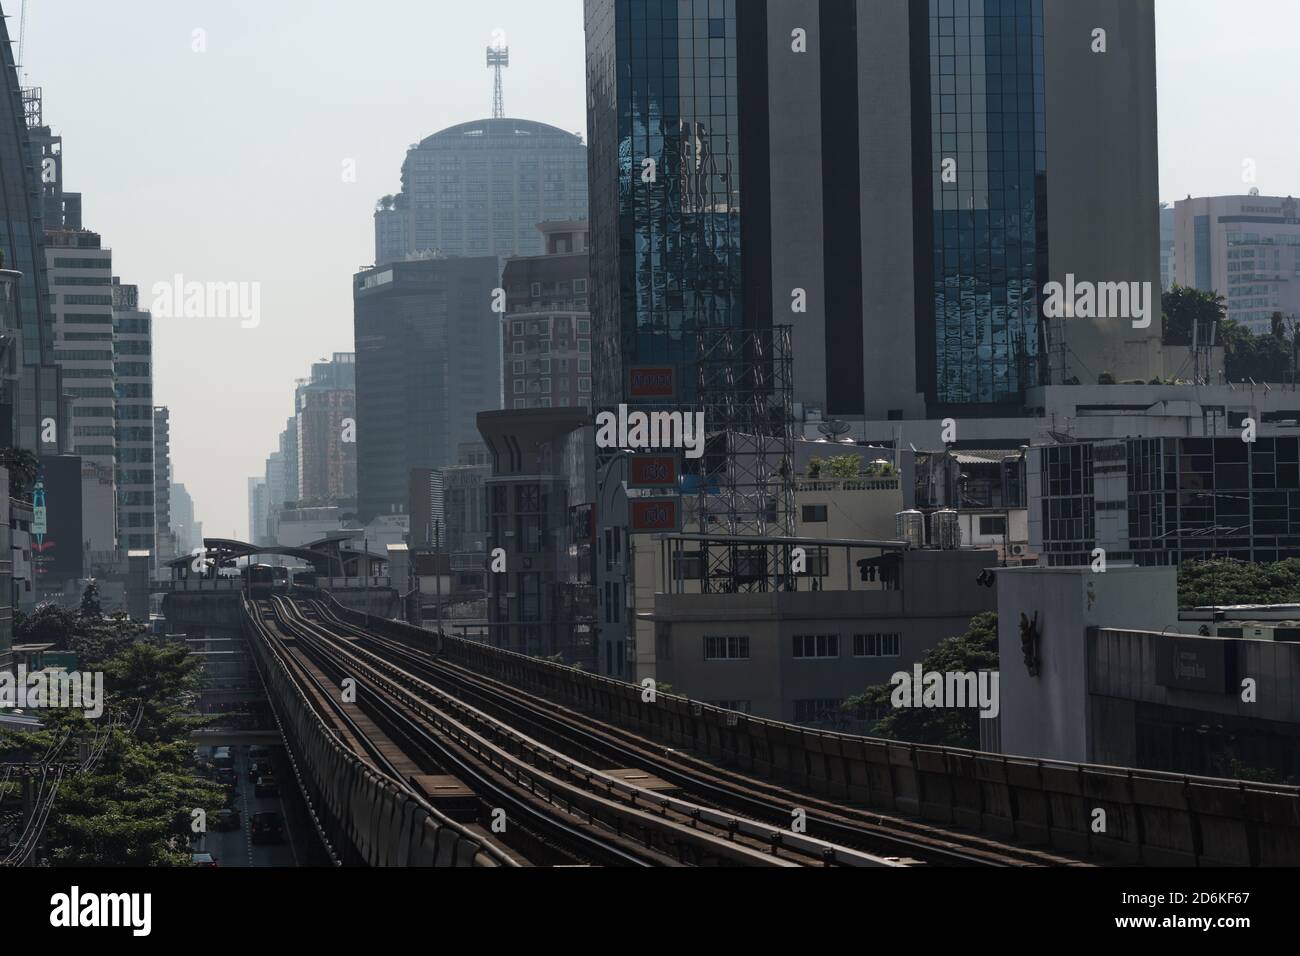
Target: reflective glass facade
[
  {"x": 987, "y": 114},
  {"x": 21, "y": 233},
  {"x": 665, "y": 183}
]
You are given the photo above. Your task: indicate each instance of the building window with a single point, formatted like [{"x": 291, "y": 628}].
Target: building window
[
  {"x": 877, "y": 645},
  {"x": 993, "y": 524},
  {"x": 579, "y": 286},
  {"x": 535, "y": 290},
  {"x": 519, "y": 328},
  {"x": 817, "y": 711},
  {"x": 816, "y": 646},
  {"x": 814, "y": 514},
  {"x": 519, "y": 368},
  {"x": 584, "y": 385},
  {"x": 730, "y": 648}
]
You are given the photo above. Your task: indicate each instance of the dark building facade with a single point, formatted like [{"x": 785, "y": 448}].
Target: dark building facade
[
  {"x": 877, "y": 174},
  {"x": 542, "y": 481},
  {"x": 428, "y": 360},
  {"x": 1166, "y": 500}
]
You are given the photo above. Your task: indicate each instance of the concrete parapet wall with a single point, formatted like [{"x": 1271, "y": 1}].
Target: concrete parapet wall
[
  {"x": 364, "y": 816},
  {"x": 1151, "y": 818}
]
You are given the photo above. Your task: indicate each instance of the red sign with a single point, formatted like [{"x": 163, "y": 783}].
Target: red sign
[
  {"x": 652, "y": 382},
  {"x": 650, "y": 515},
  {"x": 653, "y": 471}
]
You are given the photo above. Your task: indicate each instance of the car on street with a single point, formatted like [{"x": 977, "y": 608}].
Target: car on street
[
  {"x": 267, "y": 827},
  {"x": 266, "y": 786},
  {"x": 202, "y": 859},
  {"x": 229, "y": 819}
]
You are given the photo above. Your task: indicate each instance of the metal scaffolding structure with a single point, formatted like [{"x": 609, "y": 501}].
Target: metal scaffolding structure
[{"x": 746, "y": 477}]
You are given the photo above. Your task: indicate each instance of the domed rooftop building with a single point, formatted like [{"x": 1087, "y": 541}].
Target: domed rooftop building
[{"x": 480, "y": 189}]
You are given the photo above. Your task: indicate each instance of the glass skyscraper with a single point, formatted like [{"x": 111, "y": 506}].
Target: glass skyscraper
[
  {"x": 665, "y": 183},
  {"x": 989, "y": 158},
  {"x": 885, "y": 163}
]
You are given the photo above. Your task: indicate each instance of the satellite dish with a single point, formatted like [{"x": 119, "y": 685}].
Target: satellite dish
[
  {"x": 834, "y": 429},
  {"x": 1254, "y": 190}
]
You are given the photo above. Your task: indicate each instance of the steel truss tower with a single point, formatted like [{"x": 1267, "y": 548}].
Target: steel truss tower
[{"x": 746, "y": 484}]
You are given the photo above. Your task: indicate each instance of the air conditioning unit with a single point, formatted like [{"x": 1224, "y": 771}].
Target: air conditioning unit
[{"x": 1018, "y": 550}]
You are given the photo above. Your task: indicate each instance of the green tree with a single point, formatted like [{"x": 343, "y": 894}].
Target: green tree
[
  {"x": 1185, "y": 308},
  {"x": 975, "y": 650},
  {"x": 23, "y": 467},
  {"x": 90, "y": 606},
  {"x": 136, "y": 806}
]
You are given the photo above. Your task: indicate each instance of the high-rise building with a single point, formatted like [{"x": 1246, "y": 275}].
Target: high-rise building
[
  {"x": 189, "y": 533},
  {"x": 547, "y": 329},
  {"x": 325, "y": 416},
  {"x": 428, "y": 360},
  {"x": 34, "y": 415},
  {"x": 898, "y": 181},
  {"x": 133, "y": 375},
  {"x": 480, "y": 188},
  {"x": 257, "y": 499},
  {"x": 1245, "y": 248},
  {"x": 162, "y": 481}
]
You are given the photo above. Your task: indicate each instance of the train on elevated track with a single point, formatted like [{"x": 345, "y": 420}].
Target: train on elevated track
[{"x": 263, "y": 580}]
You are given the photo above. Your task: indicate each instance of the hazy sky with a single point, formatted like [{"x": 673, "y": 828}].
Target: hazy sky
[{"x": 228, "y": 165}]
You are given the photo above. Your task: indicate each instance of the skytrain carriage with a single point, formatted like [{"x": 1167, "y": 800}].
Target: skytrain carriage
[{"x": 260, "y": 580}]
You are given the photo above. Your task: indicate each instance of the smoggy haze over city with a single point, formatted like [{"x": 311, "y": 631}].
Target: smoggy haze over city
[{"x": 228, "y": 165}]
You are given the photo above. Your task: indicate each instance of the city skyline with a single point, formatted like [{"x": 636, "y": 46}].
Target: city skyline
[{"x": 143, "y": 189}]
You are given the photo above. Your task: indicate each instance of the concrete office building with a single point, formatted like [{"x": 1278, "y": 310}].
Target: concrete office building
[
  {"x": 547, "y": 329},
  {"x": 133, "y": 375},
  {"x": 428, "y": 360},
  {"x": 1245, "y": 248},
  {"x": 937, "y": 164},
  {"x": 542, "y": 474},
  {"x": 797, "y": 655},
  {"x": 480, "y": 188},
  {"x": 1122, "y": 678}
]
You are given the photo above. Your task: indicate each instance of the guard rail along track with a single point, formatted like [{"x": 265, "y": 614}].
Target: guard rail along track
[
  {"x": 363, "y": 817},
  {"x": 1152, "y": 818},
  {"x": 606, "y": 818}
]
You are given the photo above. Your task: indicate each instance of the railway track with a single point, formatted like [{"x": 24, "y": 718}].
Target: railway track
[
  {"x": 890, "y": 837},
  {"x": 596, "y": 816}
]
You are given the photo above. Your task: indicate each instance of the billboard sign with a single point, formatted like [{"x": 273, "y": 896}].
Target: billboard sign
[
  {"x": 654, "y": 515},
  {"x": 653, "y": 471},
  {"x": 652, "y": 381}
]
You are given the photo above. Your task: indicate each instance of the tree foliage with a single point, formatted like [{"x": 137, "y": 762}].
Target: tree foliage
[
  {"x": 1223, "y": 581},
  {"x": 135, "y": 807},
  {"x": 975, "y": 650}
]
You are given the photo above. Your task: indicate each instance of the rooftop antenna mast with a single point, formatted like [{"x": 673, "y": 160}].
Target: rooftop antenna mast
[
  {"x": 498, "y": 58},
  {"x": 22, "y": 35}
]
